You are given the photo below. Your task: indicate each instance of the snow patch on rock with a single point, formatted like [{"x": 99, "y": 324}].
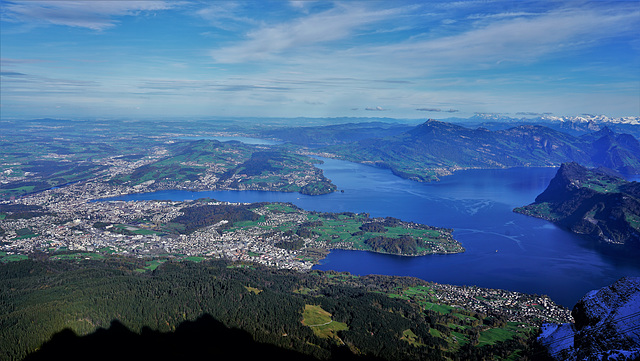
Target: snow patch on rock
[{"x": 607, "y": 326}]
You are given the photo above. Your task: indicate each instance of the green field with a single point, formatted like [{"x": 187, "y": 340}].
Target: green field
[
  {"x": 78, "y": 256},
  {"x": 321, "y": 323},
  {"x": 4, "y": 257},
  {"x": 512, "y": 329},
  {"x": 151, "y": 265},
  {"x": 349, "y": 228},
  {"x": 540, "y": 210},
  {"x": 602, "y": 183},
  {"x": 195, "y": 259},
  {"x": 463, "y": 324},
  {"x": 634, "y": 220}
]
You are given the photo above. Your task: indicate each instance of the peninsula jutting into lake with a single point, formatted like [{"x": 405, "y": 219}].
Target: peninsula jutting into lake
[{"x": 595, "y": 203}]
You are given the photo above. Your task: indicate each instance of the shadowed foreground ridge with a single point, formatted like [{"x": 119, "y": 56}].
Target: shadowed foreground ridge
[
  {"x": 204, "y": 337},
  {"x": 606, "y": 326}
]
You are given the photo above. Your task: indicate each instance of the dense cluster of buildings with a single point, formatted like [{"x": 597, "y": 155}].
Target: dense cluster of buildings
[
  {"x": 515, "y": 306},
  {"x": 71, "y": 221}
]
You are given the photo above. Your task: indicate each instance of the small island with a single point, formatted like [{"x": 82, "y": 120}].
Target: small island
[{"x": 596, "y": 203}]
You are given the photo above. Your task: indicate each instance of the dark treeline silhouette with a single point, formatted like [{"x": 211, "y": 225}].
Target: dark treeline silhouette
[{"x": 203, "y": 338}]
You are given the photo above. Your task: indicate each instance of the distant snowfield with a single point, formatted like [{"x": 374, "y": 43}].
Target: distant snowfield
[
  {"x": 586, "y": 118},
  {"x": 557, "y": 338},
  {"x": 595, "y": 118}
]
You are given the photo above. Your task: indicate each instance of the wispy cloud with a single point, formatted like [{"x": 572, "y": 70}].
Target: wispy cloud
[
  {"x": 99, "y": 15},
  {"x": 282, "y": 57},
  {"x": 226, "y": 15},
  {"x": 9, "y": 62},
  {"x": 176, "y": 86},
  {"x": 330, "y": 25},
  {"x": 502, "y": 15},
  {"x": 437, "y": 110},
  {"x": 16, "y": 81},
  {"x": 520, "y": 39},
  {"x": 317, "y": 43},
  {"x": 534, "y": 114},
  {"x": 12, "y": 74}
]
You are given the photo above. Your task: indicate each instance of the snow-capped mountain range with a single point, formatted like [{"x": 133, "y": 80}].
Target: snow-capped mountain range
[{"x": 546, "y": 118}]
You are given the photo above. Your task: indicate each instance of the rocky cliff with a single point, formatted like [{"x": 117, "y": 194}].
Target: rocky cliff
[
  {"x": 596, "y": 203},
  {"x": 607, "y": 326}
]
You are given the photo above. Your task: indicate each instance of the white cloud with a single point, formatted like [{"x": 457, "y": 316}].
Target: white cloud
[
  {"x": 515, "y": 39},
  {"x": 95, "y": 15},
  {"x": 502, "y": 15},
  {"x": 327, "y": 44},
  {"x": 226, "y": 15},
  {"x": 302, "y": 60},
  {"x": 331, "y": 25}
]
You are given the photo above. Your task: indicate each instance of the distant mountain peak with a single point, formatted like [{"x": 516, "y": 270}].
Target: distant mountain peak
[
  {"x": 434, "y": 122},
  {"x": 547, "y": 118},
  {"x": 605, "y": 131},
  {"x": 432, "y": 125}
]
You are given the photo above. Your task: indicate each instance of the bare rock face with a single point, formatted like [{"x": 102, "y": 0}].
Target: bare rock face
[{"x": 607, "y": 326}]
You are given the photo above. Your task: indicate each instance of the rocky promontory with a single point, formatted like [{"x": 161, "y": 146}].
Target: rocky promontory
[{"x": 594, "y": 202}]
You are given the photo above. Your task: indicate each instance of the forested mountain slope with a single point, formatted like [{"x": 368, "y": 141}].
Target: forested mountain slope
[
  {"x": 116, "y": 309},
  {"x": 591, "y": 202},
  {"x": 435, "y": 148}
]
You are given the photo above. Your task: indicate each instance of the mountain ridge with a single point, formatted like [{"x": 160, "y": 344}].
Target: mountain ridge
[
  {"x": 435, "y": 148},
  {"x": 605, "y": 321},
  {"x": 584, "y": 118},
  {"x": 595, "y": 203}
]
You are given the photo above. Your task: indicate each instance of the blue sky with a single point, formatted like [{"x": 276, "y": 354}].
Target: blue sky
[{"x": 101, "y": 59}]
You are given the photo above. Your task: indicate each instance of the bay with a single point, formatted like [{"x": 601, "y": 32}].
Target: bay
[{"x": 503, "y": 249}]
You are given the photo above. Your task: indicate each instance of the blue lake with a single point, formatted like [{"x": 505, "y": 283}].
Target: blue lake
[{"x": 503, "y": 249}]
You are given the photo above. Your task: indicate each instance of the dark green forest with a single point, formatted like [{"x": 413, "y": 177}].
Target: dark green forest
[
  {"x": 204, "y": 215},
  {"x": 85, "y": 309}
]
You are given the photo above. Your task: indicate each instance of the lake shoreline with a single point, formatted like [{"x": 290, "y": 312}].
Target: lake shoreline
[{"x": 533, "y": 256}]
